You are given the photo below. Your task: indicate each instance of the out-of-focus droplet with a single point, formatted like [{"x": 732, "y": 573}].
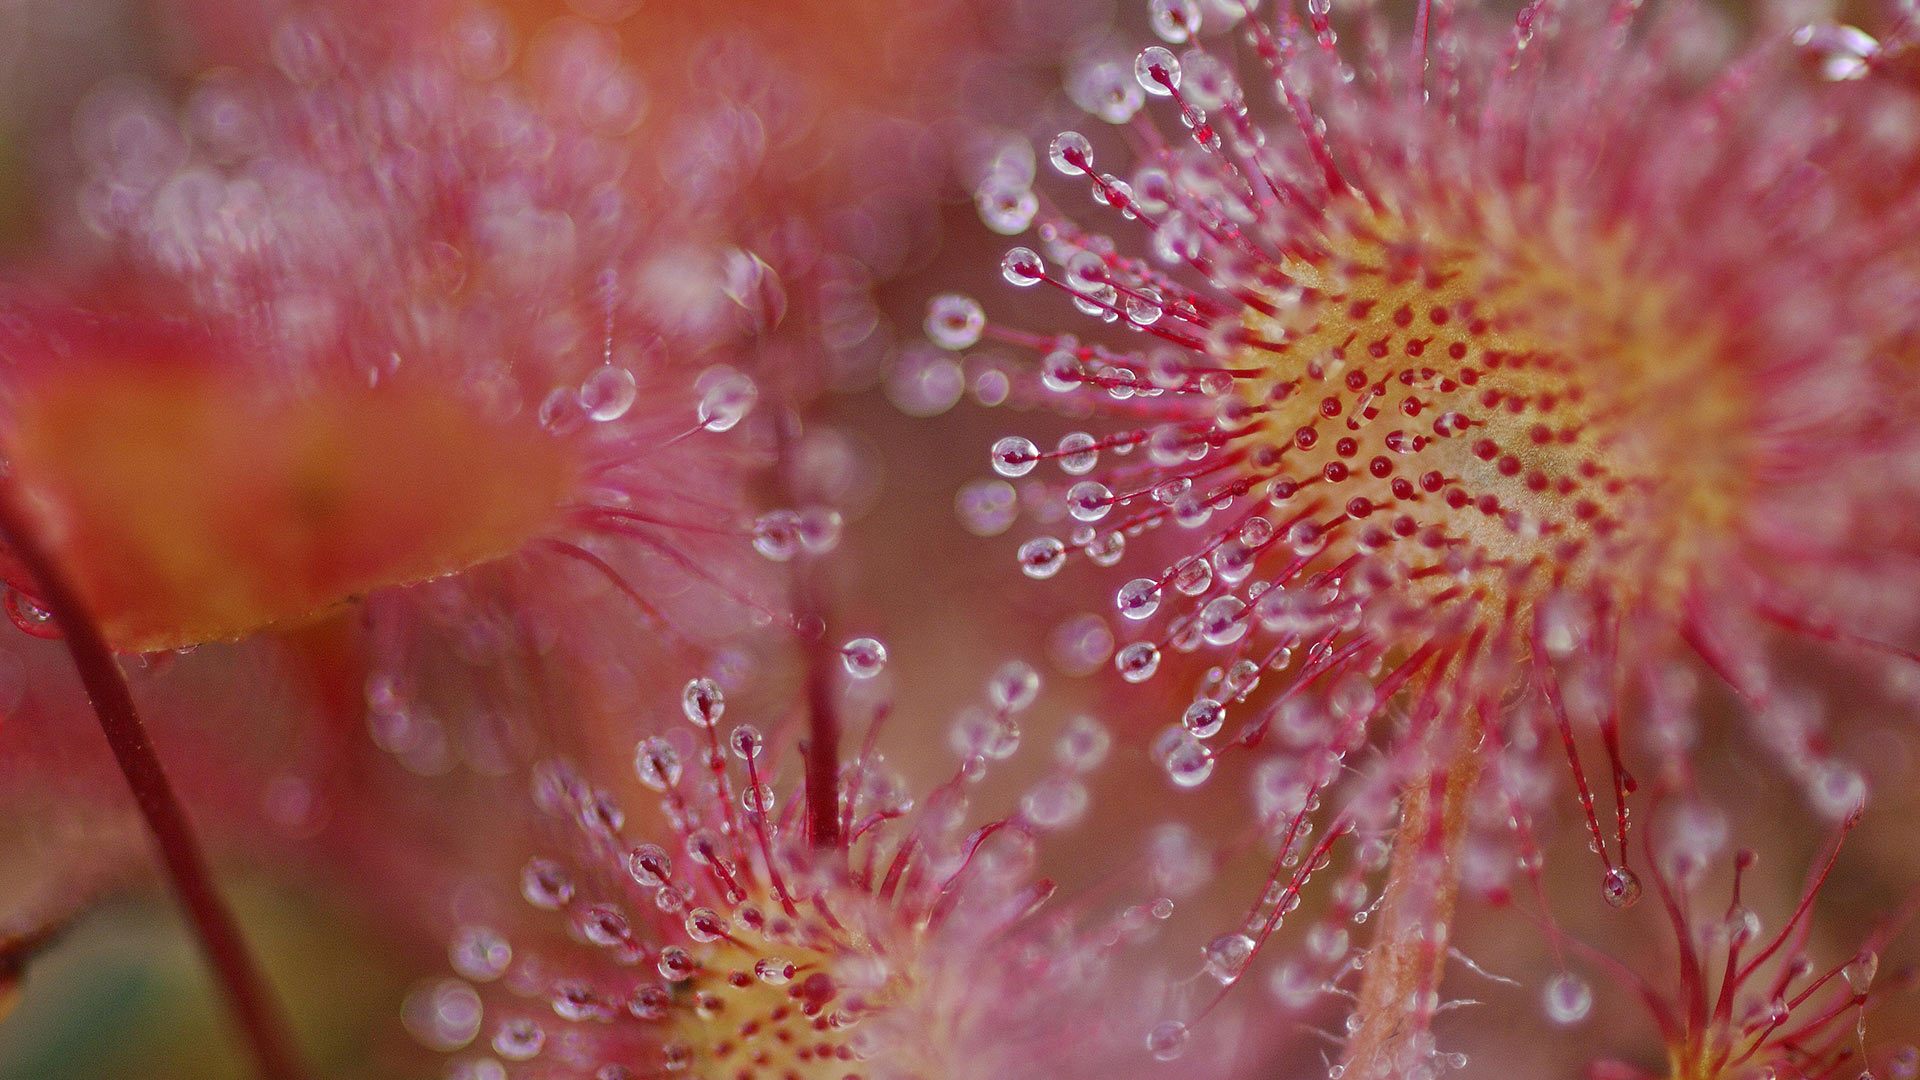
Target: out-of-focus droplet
[{"x": 863, "y": 657}]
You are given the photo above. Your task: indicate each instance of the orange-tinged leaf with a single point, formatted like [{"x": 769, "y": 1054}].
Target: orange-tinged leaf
[{"x": 192, "y": 505}]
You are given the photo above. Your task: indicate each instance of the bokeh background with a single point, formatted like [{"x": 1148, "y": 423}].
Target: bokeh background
[{"x": 339, "y": 854}]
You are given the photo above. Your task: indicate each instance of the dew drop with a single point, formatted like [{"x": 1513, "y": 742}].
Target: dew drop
[
  {"x": 1568, "y": 999},
  {"x": 650, "y": 865},
  {"x": 1138, "y": 661},
  {"x": 573, "y": 1000},
  {"x": 1220, "y": 621},
  {"x": 1837, "y": 791},
  {"x": 987, "y": 507},
  {"x": 443, "y": 1015},
  {"x": 608, "y": 393},
  {"x": 1843, "y": 52},
  {"x": 777, "y": 534},
  {"x": 1621, "y": 887},
  {"x": 1139, "y": 598},
  {"x": 705, "y": 924},
  {"x": 1015, "y": 456},
  {"x": 1006, "y": 205},
  {"x": 702, "y": 702},
  {"x": 1174, "y": 21},
  {"x": 650, "y": 1002},
  {"x": 1860, "y": 970},
  {"x": 1014, "y": 686},
  {"x": 479, "y": 954},
  {"x": 676, "y": 964},
  {"x": 728, "y": 398},
  {"x": 863, "y": 657},
  {"x": 1186, "y": 759},
  {"x": 1204, "y": 718},
  {"x": 605, "y": 926},
  {"x": 1168, "y": 1040},
  {"x": 519, "y": 1039},
  {"x": 29, "y": 616},
  {"x": 1089, "y": 500},
  {"x": 1042, "y": 557},
  {"x": 1107, "y": 548},
  {"x": 774, "y": 971},
  {"x": 657, "y": 763},
  {"x": 1157, "y": 71},
  {"x": 1071, "y": 153},
  {"x": 545, "y": 885},
  {"x": 746, "y": 742},
  {"x": 1227, "y": 956},
  {"x": 1022, "y": 267},
  {"x": 954, "y": 322},
  {"x": 1078, "y": 452},
  {"x": 1054, "y": 803},
  {"x": 1083, "y": 745}
]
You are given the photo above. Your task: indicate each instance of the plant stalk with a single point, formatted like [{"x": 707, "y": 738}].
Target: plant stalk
[
  {"x": 1399, "y": 992},
  {"x": 255, "y": 1011}
]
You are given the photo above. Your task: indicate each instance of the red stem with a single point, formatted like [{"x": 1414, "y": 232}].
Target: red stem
[
  {"x": 823, "y": 722},
  {"x": 252, "y": 1002}
]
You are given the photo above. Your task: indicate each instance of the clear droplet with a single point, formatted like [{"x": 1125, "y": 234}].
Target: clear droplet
[
  {"x": 657, "y": 763},
  {"x": 987, "y": 507},
  {"x": 1860, "y": 970},
  {"x": 863, "y": 657},
  {"x": 1089, "y": 500},
  {"x": 1071, "y": 153},
  {"x": 519, "y": 1039},
  {"x": 1186, "y": 759},
  {"x": 1174, "y": 21},
  {"x": 1843, "y": 52},
  {"x": 776, "y": 534},
  {"x": 479, "y": 954},
  {"x": 1227, "y": 956},
  {"x": 1007, "y": 205},
  {"x": 1168, "y": 1040},
  {"x": 1083, "y": 745},
  {"x": 1042, "y": 557},
  {"x": 1022, "y": 267},
  {"x": 1015, "y": 456},
  {"x": 746, "y": 742},
  {"x": 702, "y": 702},
  {"x": 705, "y": 924},
  {"x": 728, "y": 398},
  {"x": 1078, "y": 453},
  {"x": 1157, "y": 71},
  {"x": 1054, "y": 803},
  {"x": 545, "y": 884},
  {"x": 1568, "y": 998},
  {"x": 443, "y": 1015},
  {"x": 29, "y": 616},
  {"x": 1138, "y": 661},
  {"x": 650, "y": 865},
  {"x": 676, "y": 964},
  {"x": 608, "y": 393},
  {"x": 1621, "y": 887},
  {"x": 1014, "y": 686},
  {"x": 1204, "y": 718},
  {"x": 1837, "y": 791},
  {"x": 955, "y": 322},
  {"x": 1139, "y": 598}
]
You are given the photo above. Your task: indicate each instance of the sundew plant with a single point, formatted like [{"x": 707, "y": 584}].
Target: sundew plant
[{"x": 1012, "y": 539}]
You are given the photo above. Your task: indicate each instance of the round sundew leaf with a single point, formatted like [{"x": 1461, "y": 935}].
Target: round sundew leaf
[{"x": 191, "y": 505}]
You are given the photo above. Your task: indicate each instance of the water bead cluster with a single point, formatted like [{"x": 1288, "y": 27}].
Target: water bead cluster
[
  {"x": 1464, "y": 404},
  {"x": 730, "y": 939}
]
